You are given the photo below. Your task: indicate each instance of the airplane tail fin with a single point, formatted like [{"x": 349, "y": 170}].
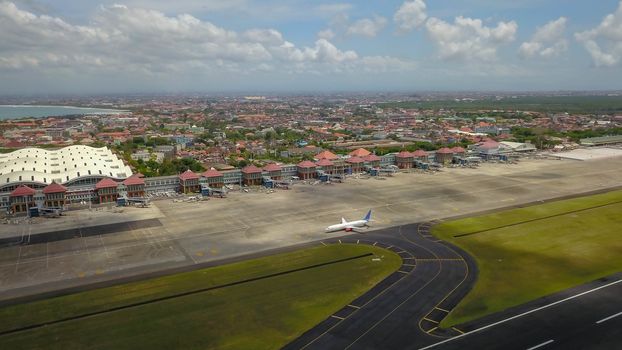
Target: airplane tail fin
[
  {"x": 344, "y": 221},
  {"x": 368, "y": 216}
]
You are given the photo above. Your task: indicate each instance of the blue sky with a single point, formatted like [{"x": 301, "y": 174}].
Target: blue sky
[{"x": 69, "y": 46}]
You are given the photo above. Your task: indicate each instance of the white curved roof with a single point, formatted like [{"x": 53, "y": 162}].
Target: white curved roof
[{"x": 61, "y": 165}]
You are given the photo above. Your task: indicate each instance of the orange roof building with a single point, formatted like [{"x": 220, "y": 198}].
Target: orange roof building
[
  {"x": 326, "y": 155},
  {"x": 361, "y": 152}
]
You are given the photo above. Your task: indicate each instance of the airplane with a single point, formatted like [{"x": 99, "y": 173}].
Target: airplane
[{"x": 350, "y": 226}]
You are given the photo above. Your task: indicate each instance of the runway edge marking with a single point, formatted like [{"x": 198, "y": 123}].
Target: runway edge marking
[
  {"x": 608, "y": 318},
  {"x": 541, "y": 344},
  {"x": 521, "y": 315}
]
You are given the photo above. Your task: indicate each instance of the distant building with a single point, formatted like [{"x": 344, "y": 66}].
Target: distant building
[
  {"x": 444, "y": 155},
  {"x": 492, "y": 129},
  {"x": 251, "y": 175},
  {"x": 55, "y": 133},
  {"x": 189, "y": 182},
  {"x": 143, "y": 155},
  {"x": 214, "y": 178},
  {"x": 306, "y": 170},
  {"x": 176, "y": 126},
  {"x": 167, "y": 150},
  {"x": 197, "y": 129},
  {"x": 273, "y": 171},
  {"x": 404, "y": 160},
  {"x": 518, "y": 146},
  {"x": 184, "y": 140}
]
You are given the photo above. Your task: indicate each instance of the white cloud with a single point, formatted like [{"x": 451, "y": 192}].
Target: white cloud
[
  {"x": 324, "y": 51},
  {"x": 604, "y": 43},
  {"x": 468, "y": 39},
  {"x": 264, "y": 36},
  {"x": 551, "y": 31},
  {"x": 548, "y": 41},
  {"x": 411, "y": 15},
  {"x": 189, "y": 6},
  {"x": 121, "y": 39},
  {"x": 368, "y": 27}
]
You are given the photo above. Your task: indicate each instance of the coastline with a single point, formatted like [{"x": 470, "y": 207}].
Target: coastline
[{"x": 54, "y": 111}]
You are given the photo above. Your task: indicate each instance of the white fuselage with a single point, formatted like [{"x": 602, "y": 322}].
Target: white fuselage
[{"x": 347, "y": 225}]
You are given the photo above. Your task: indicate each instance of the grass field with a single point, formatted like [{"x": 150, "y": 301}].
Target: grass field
[
  {"x": 261, "y": 314},
  {"x": 527, "y": 253},
  {"x": 550, "y": 104}
]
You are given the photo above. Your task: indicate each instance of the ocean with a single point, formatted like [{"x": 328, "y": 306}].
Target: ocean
[{"x": 21, "y": 111}]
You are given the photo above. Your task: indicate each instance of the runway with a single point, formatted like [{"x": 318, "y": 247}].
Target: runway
[
  {"x": 403, "y": 311},
  {"x": 585, "y": 317}
]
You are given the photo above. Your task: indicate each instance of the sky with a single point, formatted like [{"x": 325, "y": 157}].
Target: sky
[{"x": 162, "y": 46}]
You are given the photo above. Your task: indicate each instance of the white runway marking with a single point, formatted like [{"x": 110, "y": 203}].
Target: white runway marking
[
  {"x": 101, "y": 240},
  {"x": 523, "y": 314},
  {"x": 19, "y": 254},
  {"x": 608, "y": 318},
  {"x": 541, "y": 345}
]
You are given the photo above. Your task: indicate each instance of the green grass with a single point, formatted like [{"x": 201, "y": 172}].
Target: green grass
[
  {"x": 547, "y": 248},
  {"x": 263, "y": 314},
  {"x": 550, "y": 104}
]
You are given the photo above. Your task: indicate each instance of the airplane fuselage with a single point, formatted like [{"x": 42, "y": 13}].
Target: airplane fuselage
[
  {"x": 350, "y": 226},
  {"x": 347, "y": 226}
]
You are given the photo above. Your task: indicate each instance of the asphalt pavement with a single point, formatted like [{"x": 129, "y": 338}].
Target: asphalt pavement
[
  {"x": 585, "y": 317},
  {"x": 404, "y": 310}
]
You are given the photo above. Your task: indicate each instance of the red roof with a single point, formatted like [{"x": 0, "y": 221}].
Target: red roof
[
  {"x": 212, "y": 173},
  {"x": 54, "y": 188},
  {"x": 326, "y": 155},
  {"x": 272, "y": 167},
  {"x": 404, "y": 154},
  {"x": 14, "y": 144},
  {"x": 134, "y": 180},
  {"x": 251, "y": 169},
  {"x": 22, "y": 190},
  {"x": 361, "y": 152},
  {"x": 188, "y": 175},
  {"x": 355, "y": 160},
  {"x": 445, "y": 150},
  {"x": 458, "y": 149},
  {"x": 372, "y": 158},
  {"x": 306, "y": 164},
  {"x": 106, "y": 183},
  {"x": 324, "y": 162},
  {"x": 420, "y": 153}
]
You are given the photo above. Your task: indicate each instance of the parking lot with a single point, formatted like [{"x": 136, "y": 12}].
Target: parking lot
[{"x": 244, "y": 222}]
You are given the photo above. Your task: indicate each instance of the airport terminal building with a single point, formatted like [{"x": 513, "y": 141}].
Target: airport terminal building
[{"x": 33, "y": 177}]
